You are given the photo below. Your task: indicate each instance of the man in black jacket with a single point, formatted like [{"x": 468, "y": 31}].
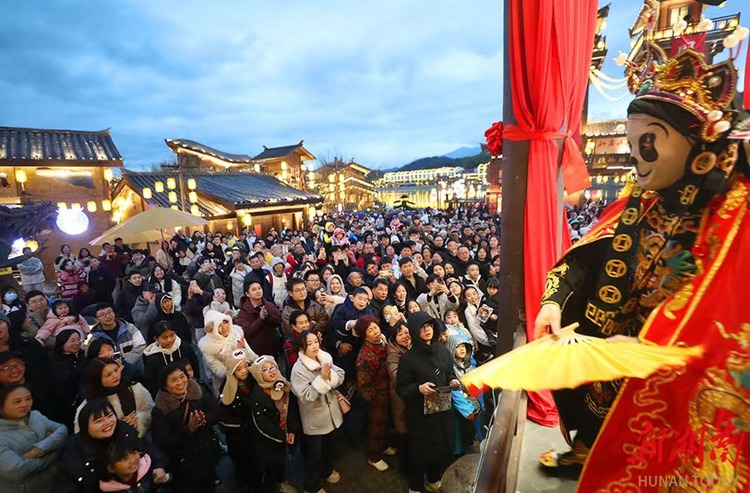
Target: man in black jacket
[
  {"x": 101, "y": 281},
  {"x": 258, "y": 272}
]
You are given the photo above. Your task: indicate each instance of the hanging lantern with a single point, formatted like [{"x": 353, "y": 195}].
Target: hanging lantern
[
  {"x": 283, "y": 165},
  {"x": 191, "y": 183},
  {"x": 147, "y": 193},
  {"x": 256, "y": 168},
  {"x": 331, "y": 187},
  {"x": 171, "y": 183},
  {"x": 159, "y": 187},
  {"x": 106, "y": 205},
  {"x": 194, "y": 210},
  {"x": 20, "y": 176},
  {"x": 341, "y": 186},
  {"x": 91, "y": 206},
  {"x": 311, "y": 213},
  {"x": 108, "y": 175},
  {"x": 75, "y": 205},
  {"x": 332, "y": 177},
  {"x": 193, "y": 197},
  {"x": 247, "y": 219},
  {"x": 341, "y": 177},
  {"x": 62, "y": 206},
  {"x": 230, "y": 225},
  {"x": 174, "y": 207},
  {"x": 311, "y": 176},
  {"x": 173, "y": 197}
]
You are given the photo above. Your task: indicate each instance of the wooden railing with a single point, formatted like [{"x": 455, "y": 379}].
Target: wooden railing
[{"x": 498, "y": 464}]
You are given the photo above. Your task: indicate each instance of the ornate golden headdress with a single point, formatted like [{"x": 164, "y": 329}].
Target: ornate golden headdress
[{"x": 686, "y": 80}]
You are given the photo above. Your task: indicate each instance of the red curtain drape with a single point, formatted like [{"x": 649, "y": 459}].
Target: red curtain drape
[{"x": 550, "y": 43}]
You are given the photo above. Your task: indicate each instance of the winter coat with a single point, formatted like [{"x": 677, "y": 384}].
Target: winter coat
[
  {"x": 65, "y": 379},
  {"x": 431, "y": 437},
  {"x": 102, "y": 282},
  {"x": 318, "y": 404},
  {"x": 208, "y": 281},
  {"x": 177, "y": 320},
  {"x": 394, "y": 352},
  {"x": 144, "y": 315},
  {"x": 19, "y": 475},
  {"x": 413, "y": 290},
  {"x": 344, "y": 314},
  {"x": 32, "y": 271},
  {"x": 216, "y": 348},
  {"x": 235, "y": 421},
  {"x": 156, "y": 357},
  {"x": 126, "y": 300},
  {"x": 144, "y": 268},
  {"x": 128, "y": 340},
  {"x": 372, "y": 372},
  {"x": 278, "y": 288},
  {"x": 143, "y": 406},
  {"x": 319, "y": 319},
  {"x": 437, "y": 306},
  {"x": 194, "y": 307},
  {"x": 238, "y": 280},
  {"x": 263, "y": 335},
  {"x": 81, "y": 463},
  {"x": 268, "y": 439},
  {"x": 70, "y": 281},
  {"x": 190, "y": 452},
  {"x": 53, "y": 325}
]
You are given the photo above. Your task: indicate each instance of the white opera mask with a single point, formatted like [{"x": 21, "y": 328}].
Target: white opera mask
[{"x": 657, "y": 150}]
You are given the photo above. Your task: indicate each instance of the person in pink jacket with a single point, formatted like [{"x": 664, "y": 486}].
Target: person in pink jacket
[
  {"x": 70, "y": 277},
  {"x": 61, "y": 317}
]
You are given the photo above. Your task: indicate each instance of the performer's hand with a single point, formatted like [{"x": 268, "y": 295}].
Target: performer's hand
[
  {"x": 622, "y": 338},
  {"x": 549, "y": 316}
]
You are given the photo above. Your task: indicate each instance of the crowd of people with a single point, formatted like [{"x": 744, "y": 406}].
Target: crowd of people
[{"x": 145, "y": 367}]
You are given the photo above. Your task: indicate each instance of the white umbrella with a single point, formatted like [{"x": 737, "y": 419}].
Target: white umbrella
[{"x": 149, "y": 226}]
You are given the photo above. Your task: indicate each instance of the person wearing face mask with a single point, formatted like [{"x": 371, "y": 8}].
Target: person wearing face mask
[
  {"x": 661, "y": 266},
  {"x": 13, "y": 308}
]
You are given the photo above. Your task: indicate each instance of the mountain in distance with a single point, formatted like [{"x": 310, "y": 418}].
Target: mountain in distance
[
  {"x": 464, "y": 152},
  {"x": 467, "y": 162}
]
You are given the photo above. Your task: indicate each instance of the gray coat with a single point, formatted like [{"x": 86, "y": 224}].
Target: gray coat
[
  {"x": 318, "y": 403},
  {"x": 18, "y": 475}
]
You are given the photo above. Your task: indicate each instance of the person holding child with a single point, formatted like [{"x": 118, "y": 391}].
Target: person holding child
[{"x": 62, "y": 316}]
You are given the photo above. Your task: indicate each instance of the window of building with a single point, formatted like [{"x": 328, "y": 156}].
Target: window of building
[{"x": 678, "y": 13}]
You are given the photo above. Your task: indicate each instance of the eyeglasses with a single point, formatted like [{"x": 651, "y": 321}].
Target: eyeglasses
[
  {"x": 15, "y": 366},
  {"x": 299, "y": 290},
  {"x": 268, "y": 369},
  {"x": 105, "y": 314},
  {"x": 425, "y": 327}
]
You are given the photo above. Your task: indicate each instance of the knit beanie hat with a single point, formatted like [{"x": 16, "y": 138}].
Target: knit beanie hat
[
  {"x": 231, "y": 363},
  {"x": 279, "y": 387}
]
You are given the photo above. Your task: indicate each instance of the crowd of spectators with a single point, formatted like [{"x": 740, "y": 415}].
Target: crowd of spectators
[{"x": 146, "y": 366}]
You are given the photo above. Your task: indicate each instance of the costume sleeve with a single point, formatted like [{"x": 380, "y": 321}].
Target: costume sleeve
[{"x": 574, "y": 271}]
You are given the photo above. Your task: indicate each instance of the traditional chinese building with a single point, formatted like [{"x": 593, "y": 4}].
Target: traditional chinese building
[
  {"x": 345, "y": 183},
  {"x": 229, "y": 201},
  {"x": 68, "y": 167},
  {"x": 286, "y": 163},
  {"x": 607, "y": 157},
  {"x": 672, "y": 11}
]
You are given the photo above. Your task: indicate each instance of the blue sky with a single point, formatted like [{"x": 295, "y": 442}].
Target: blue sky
[{"x": 381, "y": 82}]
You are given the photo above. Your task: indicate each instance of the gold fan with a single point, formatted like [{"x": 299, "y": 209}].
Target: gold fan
[{"x": 570, "y": 360}]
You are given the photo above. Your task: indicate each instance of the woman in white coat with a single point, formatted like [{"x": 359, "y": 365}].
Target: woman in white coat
[
  {"x": 314, "y": 378},
  {"x": 220, "y": 341}
]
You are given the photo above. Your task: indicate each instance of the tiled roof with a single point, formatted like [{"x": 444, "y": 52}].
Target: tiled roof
[
  {"x": 35, "y": 146},
  {"x": 274, "y": 152},
  {"x": 221, "y": 193},
  {"x": 174, "y": 144}
]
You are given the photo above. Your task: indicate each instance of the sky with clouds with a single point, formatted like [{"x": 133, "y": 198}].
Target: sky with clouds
[{"x": 382, "y": 82}]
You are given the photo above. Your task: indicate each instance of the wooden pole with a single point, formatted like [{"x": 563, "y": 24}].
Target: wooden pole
[{"x": 511, "y": 309}]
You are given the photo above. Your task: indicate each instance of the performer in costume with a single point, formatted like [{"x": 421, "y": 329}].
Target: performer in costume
[{"x": 666, "y": 264}]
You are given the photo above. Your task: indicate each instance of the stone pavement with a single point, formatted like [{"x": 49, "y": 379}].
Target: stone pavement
[{"x": 538, "y": 439}]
